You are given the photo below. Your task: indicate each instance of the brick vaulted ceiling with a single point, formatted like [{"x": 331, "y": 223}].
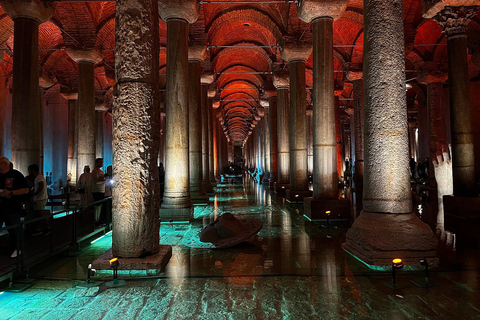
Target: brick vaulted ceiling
[{"x": 242, "y": 38}]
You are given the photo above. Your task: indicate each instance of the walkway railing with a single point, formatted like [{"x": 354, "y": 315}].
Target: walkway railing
[{"x": 67, "y": 229}]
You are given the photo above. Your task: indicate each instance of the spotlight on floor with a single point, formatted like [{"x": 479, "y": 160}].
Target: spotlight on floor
[
  {"x": 89, "y": 283},
  {"x": 327, "y": 214},
  {"x": 115, "y": 283},
  {"x": 397, "y": 264}
]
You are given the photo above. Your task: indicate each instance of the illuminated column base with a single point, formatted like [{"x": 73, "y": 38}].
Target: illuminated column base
[
  {"x": 297, "y": 195},
  {"x": 377, "y": 238},
  {"x": 315, "y": 209},
  {"x": 280, "y": 187}
]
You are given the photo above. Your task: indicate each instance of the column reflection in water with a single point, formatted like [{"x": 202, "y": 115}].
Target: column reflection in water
[
  {"x": 329, "y": 286},
  {"x": 286, "y": 243},
  {"x": 178, "y": 267},
  {"x": 215, "y": 207},
  {"x": 303, "y": 250}
]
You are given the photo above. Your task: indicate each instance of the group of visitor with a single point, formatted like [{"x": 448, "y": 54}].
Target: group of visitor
[{"x": 16, "y": 190}]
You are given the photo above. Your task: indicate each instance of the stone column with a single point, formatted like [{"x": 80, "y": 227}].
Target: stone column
[
  {"x": 310, "y": 143},
  {"x": 387, "y": 228},
  {"x": 325, "y": 177},
  {"x": 296, "y": 55},
  {"x": 161, "y": 152},
  {"x": 206, "y": 80},
  {"x": 215, "y": 170},
  {"x": 272, "y": 101},
  {"x": 196, "y": 55},
  {"x": 99, "y": 134},
  {"x": 177, "y": 204},
  {"x": 72, "y": 136},
  {"x": 136, "y": 131},
  {"x": 27, "y": 15},
  {"x": 358, "y": 119},
  {"x": 282, "y": 83},
  {"x": 454, "y": 21},
  {"x": 210, "y": 94},
  {"x": 266, "y": 141},
  {"x": 86, "y": 147},
  {"x": 432, "y": 76}
]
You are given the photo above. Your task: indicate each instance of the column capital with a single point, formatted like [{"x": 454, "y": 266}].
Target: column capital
[
  {"x": 68, "y": 94},
  {"x": 354, "y": 71},
  {"x": 211, "y": 93},
  {"x": 216, "y": 104},
  {"x": 431, "y": 8},
  {"x": 207, "y": 78},
  {"x": 80, "y": 55},
  {"x": 37, "y": 10},
  {"x": 281, "y": 80},
  {"x": 264, "y": 103},
  {"x": 296, "y": 52},
  {"x": 187, "y": 10},
  {"x": 431, "y": 72},
  {"x": 309, "y": 10},
  {"x": 309, "y": 112},
  {"x": 197, "y": 53},
  {"x": 101, "y": 107},
  {"x": 454, "y": 20}
]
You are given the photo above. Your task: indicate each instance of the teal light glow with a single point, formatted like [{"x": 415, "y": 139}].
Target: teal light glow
[
  {"x": 384, "y": 268},
  {"x": 106, "y": 234},
  {"x": 175, "y": 222}
]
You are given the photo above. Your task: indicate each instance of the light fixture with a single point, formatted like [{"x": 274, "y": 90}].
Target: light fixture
[{"x": 397, "y": 264}]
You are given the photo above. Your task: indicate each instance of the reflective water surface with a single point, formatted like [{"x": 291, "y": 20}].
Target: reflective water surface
[{"x": 293, "y": 269}]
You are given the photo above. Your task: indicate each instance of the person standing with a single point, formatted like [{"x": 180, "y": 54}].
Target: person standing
[
  {"x": 98, "y": 186},
  {"x": 13, "y": 188},
  {"x": 84, "y": 187},
  {"x": 40, "y": 195}
]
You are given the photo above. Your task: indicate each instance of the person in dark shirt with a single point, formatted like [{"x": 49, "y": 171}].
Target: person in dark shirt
[{"x": 13, "y": 188}]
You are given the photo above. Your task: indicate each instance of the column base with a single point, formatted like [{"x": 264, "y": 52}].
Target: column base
[
  {"x": 199, "y": 198},
  {"x": 378, "y": 238},
  {"x": 297, "y": 195},
  {"x": 462, "y": 215},
  {"x": 176, "y": 214},
  {"x": 316, "y": 209},
  {"x": 157, "y": 261},
  {"x": 209, "y": 189},
  {"x": 266, "y": 178},
  {"x": 281, "y": 187}
]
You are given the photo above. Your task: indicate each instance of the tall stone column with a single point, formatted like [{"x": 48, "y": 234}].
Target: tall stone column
[
  {"x": 357, "y": 79},
  {"x": 310, "y": 142},
  {"x": 211, "y": 177},
  {"x": 99, "y": 134},
  {"x": 216, "y": 171},
  {"x": 27, "y": 15},
  {"x": 266, "y": 141},
  {"x": 325, "y": 175},
  {"x": 86, "y": 123},
  {"x": 454, "y": 21},
  {"x": 387, "y": 228},
  {"x": 433, "y": 77},
  {"x": 72, "y": 137},
  {"x": 206, "y": 80},
  {"x": 272, "y": 101},
  {"x": 177, "y": 204},
  {"x": 196, "y": 55},
  {"x": 136, "y": 131},
  {"x": 282, "y": 83},
  {"x": 296, "y": 55}
]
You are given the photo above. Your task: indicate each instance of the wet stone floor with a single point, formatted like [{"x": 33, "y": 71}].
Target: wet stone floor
[{"x": 293, "y": 269}]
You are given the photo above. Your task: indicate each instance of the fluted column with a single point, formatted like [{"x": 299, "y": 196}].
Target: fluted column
[
  {"x": 27, "y": 15},
  {"x": 296, "y": 55},
  {"x": 206, "y": 80},
  {"x": 282, "y": 83},
  {"x": 136, "y": 132},
  {"x": 454, "y": 21},
  {"x": 196, "y": 54},
  {"x": 86, "y": 122},
  {"x": 387, "y": 227},
  {"x": 177, "y": 204}
]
